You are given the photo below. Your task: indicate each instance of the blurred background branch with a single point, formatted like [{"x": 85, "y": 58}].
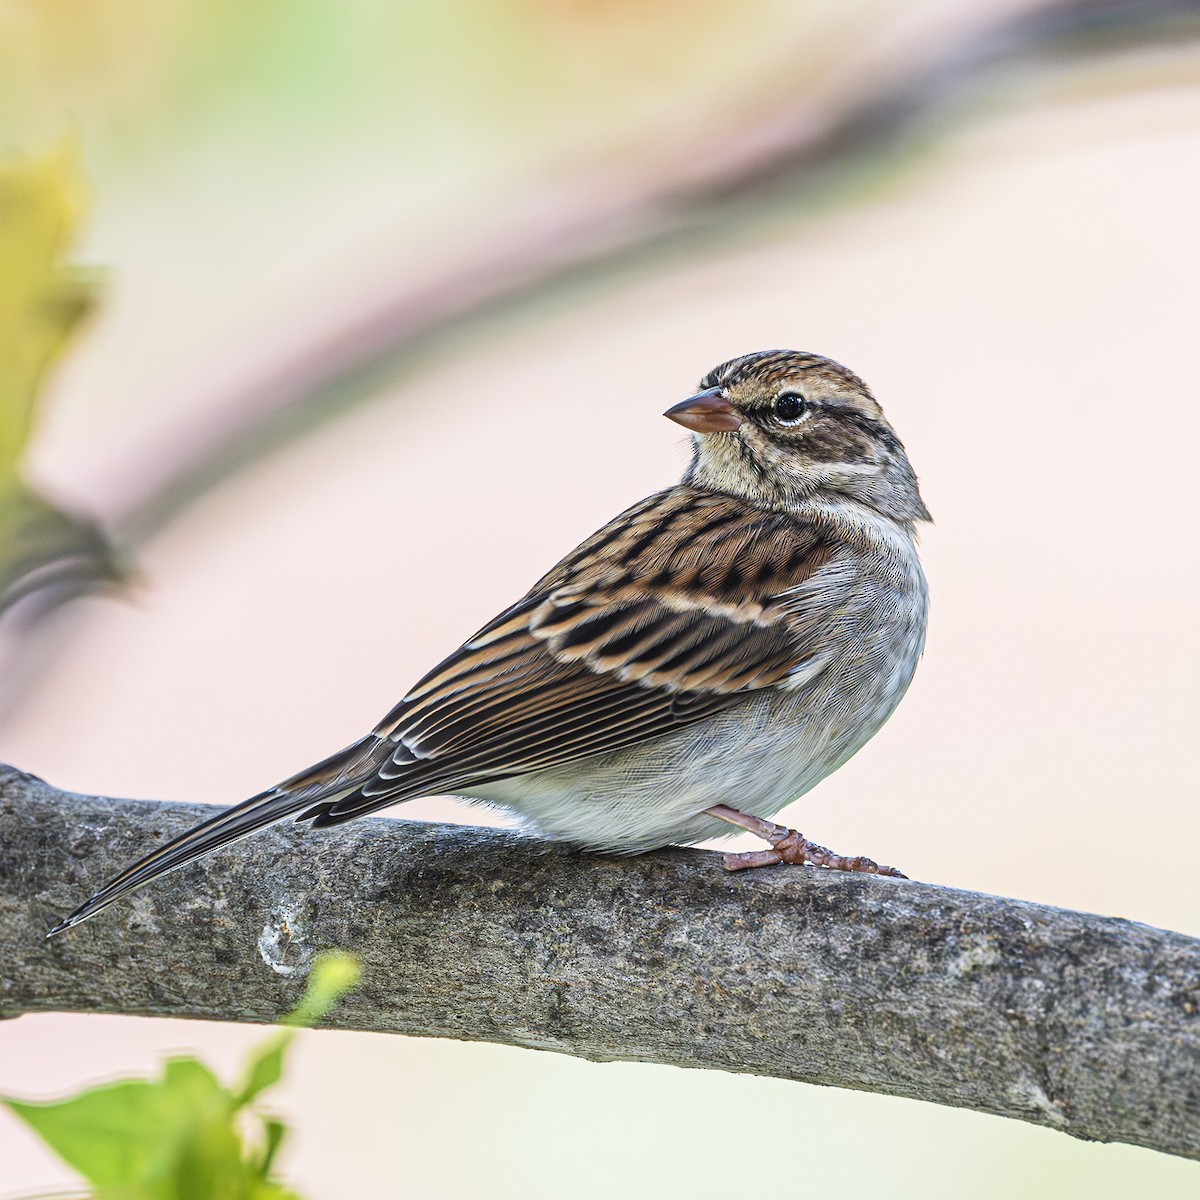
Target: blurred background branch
[
  {"x": 598, "y": 227},
  {"x": 601, "y": 226},
  {"x": 1088, "y": 1025}
]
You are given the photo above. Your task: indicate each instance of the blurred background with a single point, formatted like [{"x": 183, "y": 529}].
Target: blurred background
[{"x": 393, "y": 296}]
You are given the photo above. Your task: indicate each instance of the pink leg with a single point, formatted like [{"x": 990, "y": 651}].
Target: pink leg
[{"x": 788, "y": 846}]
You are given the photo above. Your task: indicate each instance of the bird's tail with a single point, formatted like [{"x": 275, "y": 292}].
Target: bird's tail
[{"x": 328, "y": 781}]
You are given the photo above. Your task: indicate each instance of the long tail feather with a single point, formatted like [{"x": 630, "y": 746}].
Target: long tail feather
[{"x": 336, "y": 776}]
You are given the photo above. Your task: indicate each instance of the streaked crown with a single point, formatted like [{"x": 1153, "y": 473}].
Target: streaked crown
[{"x": 780, "y": 427}]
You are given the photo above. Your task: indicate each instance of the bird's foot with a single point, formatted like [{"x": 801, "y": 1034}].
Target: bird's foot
[{"x": 788, "y": 846}]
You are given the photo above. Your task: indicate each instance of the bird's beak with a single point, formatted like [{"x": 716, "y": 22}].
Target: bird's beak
[{"x": 706, "y": 412}]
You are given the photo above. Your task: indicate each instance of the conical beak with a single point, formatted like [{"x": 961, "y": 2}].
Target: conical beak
[{"x": 706, "y": 412}]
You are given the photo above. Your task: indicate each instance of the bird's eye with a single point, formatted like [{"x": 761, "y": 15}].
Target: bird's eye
[{"x": 790, "y": 409}]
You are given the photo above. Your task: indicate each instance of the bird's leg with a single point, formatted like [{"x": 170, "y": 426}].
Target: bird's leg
[{"x": 788, "y": 846}]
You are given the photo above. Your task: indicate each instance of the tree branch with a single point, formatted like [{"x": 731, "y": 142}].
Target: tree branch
[{"x": 1087, "y": 1024}]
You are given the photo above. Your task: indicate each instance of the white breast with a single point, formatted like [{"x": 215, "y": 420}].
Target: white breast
[{"x": 765, "y": 751}]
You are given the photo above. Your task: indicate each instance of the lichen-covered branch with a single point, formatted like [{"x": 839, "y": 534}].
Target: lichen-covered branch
[{"x": 1088, "y": 1024}]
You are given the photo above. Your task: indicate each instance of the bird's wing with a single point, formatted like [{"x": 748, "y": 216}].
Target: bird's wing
[
  {"x": 679, "y": 607},
  {"x": 676, "y": 609}
]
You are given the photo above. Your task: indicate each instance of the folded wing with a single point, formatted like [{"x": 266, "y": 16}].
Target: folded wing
[{"x": 682, "y": 606}]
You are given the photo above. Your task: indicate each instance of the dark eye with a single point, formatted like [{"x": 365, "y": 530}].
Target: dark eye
[{"x": 790, "y": 409}]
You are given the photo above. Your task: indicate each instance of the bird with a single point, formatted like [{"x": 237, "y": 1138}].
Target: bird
[{"x": 701, "y": 661}]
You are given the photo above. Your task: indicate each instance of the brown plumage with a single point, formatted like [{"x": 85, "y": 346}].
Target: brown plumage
[{"x": 776, "y": 584}]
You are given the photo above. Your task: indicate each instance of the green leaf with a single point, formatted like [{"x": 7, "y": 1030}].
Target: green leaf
[
  {"x": 178, "y": 1138},
  {"x": 267, "y": 1189},
  {"x": 107, "y": 1133},
  {"x": 274, "y": 1131},
  {"x": 174, "y": 1139},
  {"x": 90, "y": 1132},
  {"x": 334, "y": 973},
  {"x": 264, "y": 1068}
]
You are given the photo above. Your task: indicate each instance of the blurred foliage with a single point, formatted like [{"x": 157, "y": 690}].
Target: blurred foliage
[
  {"x": 185, "y": 1136},
  {"x": 440, "y": 78},
  {"x": 43, "y": 301},
  {"x": 373, "y": 164},
  {"x": 235, "y": 133}
]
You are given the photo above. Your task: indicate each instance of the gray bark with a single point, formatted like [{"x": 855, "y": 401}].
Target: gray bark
[{"x": 1087, "y": 1024}]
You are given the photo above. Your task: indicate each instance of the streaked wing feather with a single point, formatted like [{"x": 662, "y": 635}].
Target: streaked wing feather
[{"x": 677, "y": 609}]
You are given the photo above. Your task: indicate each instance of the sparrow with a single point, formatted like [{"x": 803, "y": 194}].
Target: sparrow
[{"x": 704, "y": 659}]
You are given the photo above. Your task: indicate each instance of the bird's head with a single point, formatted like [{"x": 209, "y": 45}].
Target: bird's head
[{"x": 780, "y": 427}]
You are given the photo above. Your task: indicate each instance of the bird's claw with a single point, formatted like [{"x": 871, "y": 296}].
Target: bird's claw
[{"x": 789, "y": 846}]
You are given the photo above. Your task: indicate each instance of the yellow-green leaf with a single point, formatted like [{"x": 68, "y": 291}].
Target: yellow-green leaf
[
  {"x": 334, "y": 973},
  {"x": 43, "y": 299}
]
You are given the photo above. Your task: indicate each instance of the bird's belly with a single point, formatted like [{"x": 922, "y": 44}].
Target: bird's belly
[{"x": 756, "y": 756}]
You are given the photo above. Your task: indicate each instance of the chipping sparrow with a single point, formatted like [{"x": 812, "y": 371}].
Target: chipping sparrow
[{"x": 704, "y": 659}]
